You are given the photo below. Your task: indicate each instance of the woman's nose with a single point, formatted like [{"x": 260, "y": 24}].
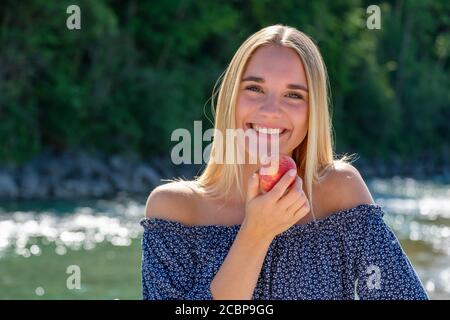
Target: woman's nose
[{"x": 270, "y": 108}]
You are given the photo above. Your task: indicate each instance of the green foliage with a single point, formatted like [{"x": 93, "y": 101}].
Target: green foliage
[{"x": 138, "y": 70}]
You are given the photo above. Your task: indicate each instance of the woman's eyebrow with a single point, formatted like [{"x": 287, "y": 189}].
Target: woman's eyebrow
[{"x": 289, "y": 86}]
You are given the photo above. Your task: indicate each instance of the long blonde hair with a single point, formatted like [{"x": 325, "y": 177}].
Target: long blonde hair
[{"x": 314, "y": 156}]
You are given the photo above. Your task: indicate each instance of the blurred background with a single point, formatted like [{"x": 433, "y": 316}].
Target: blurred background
[{"x": 86, "y": 117}]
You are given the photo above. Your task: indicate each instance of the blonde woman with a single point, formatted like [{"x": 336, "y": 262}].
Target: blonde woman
[{"x": 219, "y": 237}]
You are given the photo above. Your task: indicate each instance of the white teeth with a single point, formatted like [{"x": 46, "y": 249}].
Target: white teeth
[{"x": 267, "y": 130}]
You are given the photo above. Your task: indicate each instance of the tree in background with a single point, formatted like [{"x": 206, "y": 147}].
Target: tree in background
[{"x": 137, "y": 70}]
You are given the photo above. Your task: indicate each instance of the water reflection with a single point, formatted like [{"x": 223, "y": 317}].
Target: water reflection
[
  {"x": 114, "y": 221},
  {"x": 419, "y": 214}
]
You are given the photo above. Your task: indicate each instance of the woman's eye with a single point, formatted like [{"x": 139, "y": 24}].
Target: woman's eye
[
  {"x": 295, "y": 96},
  {"x": 251, "y": 88}
]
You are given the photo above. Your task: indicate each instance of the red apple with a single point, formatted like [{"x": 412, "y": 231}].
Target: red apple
[{"x": 273, "y": 169}]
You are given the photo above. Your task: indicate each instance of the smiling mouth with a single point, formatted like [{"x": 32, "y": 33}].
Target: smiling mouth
[{"x": 266, "y": 130}]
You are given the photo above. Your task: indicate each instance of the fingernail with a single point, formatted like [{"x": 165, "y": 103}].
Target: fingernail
[{"x": 292, "y": 172}]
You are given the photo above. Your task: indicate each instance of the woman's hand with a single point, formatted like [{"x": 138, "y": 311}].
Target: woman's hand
[{"x": 269, "y": 214}]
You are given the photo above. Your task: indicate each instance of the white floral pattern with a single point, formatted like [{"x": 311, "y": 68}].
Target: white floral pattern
[{"x": 350, "y": 252}]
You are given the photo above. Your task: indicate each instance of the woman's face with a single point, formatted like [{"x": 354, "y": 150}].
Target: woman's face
[{"x": 273, "y": 93}]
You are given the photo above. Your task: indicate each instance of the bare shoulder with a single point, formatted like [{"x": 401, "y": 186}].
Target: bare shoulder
[
  {"x": 173, "y": 201},
  {"x": 344, "y": 188}
]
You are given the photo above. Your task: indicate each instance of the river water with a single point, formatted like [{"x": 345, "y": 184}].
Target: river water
[{"x": 39, "y": 240}]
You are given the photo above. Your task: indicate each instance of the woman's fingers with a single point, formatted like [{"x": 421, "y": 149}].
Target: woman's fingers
[
  {"x": 294, "y": 208},
  {"x": 298, "y": 211},
  {"x": 294, "y": 195},
  {"x": 281, "y": 186},
  {"x": 253, "y": 186}
]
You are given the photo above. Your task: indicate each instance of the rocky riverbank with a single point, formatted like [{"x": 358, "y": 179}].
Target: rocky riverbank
[{"x": 79, "y": 174}]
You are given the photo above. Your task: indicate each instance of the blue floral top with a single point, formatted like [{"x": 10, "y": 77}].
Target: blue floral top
[{"x": 351, "y": 253}]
